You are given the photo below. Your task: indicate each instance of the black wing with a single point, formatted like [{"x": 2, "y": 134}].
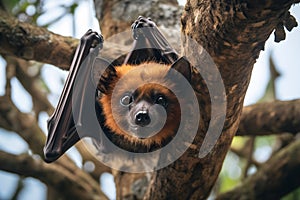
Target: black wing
[
  {"x": 149, "y": 45},
  {"x": 62, "y": 133}
]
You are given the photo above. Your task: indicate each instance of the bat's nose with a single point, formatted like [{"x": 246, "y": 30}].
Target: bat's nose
[{"x": 142, "y": 118}]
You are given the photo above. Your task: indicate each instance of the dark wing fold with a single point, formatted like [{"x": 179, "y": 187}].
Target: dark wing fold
[{"x": 62, "y": 132}]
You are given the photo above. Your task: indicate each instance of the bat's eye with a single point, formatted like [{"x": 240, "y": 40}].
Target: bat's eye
[
  {"x": 126, "y": 100},
  {"x": 161, "y": 100}
]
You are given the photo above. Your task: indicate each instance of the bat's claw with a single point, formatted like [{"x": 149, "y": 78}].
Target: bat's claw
[
  {"x": 93, "y": 38},
  {"x": 141, "y": 22}
]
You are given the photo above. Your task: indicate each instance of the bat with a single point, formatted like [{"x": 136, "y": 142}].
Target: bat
[{"x": 149, "y": 46}]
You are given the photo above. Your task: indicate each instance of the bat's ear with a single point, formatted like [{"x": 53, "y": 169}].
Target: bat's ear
[
  {"x": 104, "y": 75},
  {"x": 183, "y": 66}
]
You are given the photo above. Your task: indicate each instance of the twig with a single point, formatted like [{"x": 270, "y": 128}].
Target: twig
[
  {"x": 249, "y": 158},
  {"x": 275, "y": 178}
]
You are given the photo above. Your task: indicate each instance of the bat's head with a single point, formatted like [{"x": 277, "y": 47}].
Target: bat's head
[{"x": 139, "y": 103}]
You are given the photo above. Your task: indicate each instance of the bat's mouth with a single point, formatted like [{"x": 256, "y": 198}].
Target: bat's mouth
[{"x": 145, "y": 132}]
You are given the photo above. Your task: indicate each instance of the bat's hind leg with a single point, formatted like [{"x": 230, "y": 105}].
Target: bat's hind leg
[{"x": 150, "y": 44}]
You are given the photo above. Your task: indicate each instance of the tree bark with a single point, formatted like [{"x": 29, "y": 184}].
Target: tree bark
[
  {"x": 116, "y": 16},
  {"x": 233, "y": 33},
  {"x": 30, "y": 42}
]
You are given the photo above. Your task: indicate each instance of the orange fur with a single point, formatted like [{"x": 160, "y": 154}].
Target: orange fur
[{"x": 146, "y": 72}]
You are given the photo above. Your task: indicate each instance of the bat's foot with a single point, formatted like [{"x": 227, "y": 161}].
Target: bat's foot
[
  {"x": 92, "y": 39},
  {"x": 141, "y": 22}
]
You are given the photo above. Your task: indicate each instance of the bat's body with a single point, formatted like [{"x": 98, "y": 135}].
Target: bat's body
[{"x": 134, "y": 99}]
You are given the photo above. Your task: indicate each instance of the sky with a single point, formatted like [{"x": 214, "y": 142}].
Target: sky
[{"x": 286, "y": 56}]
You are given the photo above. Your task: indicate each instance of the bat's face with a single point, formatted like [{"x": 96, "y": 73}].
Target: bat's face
[
  {"x": 148, "y": 114},
  {"x": 140, "y": 107}
]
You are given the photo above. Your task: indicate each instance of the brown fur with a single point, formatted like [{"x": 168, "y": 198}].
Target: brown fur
[{"x": 129, "y": 77}]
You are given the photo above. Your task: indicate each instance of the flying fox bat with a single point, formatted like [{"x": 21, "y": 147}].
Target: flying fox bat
[{"x": 149, "y": 47}]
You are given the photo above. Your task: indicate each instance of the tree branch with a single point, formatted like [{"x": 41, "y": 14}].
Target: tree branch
[
  {"x": 270, "y": 118},
  {"x": 29, "y": 42},
  {"x": 65, "y": 182},
  {"x": 22, "y": 123},
  {"x": 275, "y": 178}
]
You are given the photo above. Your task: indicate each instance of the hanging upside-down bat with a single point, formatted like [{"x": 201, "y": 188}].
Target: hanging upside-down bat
[{"x": 133, "y": 98}]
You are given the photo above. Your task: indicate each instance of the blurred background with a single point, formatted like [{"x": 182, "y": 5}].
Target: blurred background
[{"x": 275, "y": 76}]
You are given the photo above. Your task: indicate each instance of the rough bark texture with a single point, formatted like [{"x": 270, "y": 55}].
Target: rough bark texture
[
  {"x": 116, "y": 16},
  {"x": 233, "y": 33},
  {"x": 272, "y": 180},
  {"x": 270, "y": 118},
  {"x": 34, "y": 43}
]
